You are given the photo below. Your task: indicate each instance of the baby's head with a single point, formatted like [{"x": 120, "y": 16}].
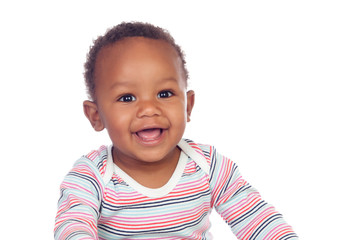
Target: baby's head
[
  {"x": 119, "y": 33},
  {"x": 137, "y": 82}
]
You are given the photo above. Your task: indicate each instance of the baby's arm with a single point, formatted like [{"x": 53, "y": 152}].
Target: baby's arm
[
  {"x": 241, "y": 206},
  {"x": 79, "y": 203}
]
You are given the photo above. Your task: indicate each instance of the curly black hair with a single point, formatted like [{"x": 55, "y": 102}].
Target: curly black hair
[{"x": 119, "y": 32}]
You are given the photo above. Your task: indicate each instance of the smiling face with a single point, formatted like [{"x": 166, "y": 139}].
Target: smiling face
[{"x": 141, "y": 99}]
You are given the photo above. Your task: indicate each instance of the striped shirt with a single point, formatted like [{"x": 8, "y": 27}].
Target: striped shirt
[{"x": 100, "y": 201}]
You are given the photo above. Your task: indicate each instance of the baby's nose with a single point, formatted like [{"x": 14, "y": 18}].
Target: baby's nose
[{"x": 148, "y": 108}]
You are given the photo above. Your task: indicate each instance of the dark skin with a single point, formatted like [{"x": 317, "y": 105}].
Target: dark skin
[{"x": 142, "y": 101}]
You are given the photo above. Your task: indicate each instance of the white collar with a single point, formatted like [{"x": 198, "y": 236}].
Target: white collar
[{"x": 183, "y": 144}]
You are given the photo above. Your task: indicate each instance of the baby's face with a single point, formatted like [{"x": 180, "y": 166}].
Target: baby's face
[{"x": 141, "y": 98}]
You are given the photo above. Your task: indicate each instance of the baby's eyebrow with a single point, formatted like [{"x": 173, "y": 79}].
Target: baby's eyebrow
[
  {"x": 169, "y": 79},
  {"x": 130, "y": 83},
  {"x": 121, "y": 84}
]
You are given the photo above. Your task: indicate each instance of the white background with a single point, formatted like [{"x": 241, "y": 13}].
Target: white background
[{"x": 277, "y": 90}]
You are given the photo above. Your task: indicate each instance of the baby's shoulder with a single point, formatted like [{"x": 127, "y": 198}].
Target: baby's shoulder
[
  {"x": 199, "y": 150},
  {"x": 210, "y": 153},
  {"x": 97, "y": 159}
]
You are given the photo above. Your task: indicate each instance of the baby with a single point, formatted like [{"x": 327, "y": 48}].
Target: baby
[{"x": 151, "y": 183}]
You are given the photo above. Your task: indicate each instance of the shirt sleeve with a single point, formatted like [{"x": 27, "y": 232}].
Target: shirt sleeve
[
  {"x": 242, "y": 207},
  {"x": 79, "y": 203}
]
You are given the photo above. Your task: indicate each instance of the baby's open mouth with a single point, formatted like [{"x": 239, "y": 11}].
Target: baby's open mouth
[{"x": 150, "y": 134}]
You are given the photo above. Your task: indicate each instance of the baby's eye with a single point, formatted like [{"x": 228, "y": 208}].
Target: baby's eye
[
  {"x": 165, "y": 94},
  {"x": 127, "y": 98}
]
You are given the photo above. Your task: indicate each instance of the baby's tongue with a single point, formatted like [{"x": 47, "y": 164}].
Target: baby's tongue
[{"x": 149, "y": 134}]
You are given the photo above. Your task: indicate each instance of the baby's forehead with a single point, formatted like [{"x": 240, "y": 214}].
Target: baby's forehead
[
  {"x": 137, "y": 54},
  {"x": 137, "y": 48},
  {"x": 133, "y": 43}
]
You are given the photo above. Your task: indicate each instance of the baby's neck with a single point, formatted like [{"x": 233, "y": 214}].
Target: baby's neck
[{"x": 153, "y": 174}]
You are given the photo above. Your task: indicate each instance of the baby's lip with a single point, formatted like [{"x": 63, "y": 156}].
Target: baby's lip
[
  {"x": 149, "y": 126},
  {"x": 149, "y": 134}
]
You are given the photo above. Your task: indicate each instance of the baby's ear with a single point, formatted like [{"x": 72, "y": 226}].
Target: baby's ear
[
  {"x": 92, "y": 113},
  {"x": 190, "y": 95}
]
